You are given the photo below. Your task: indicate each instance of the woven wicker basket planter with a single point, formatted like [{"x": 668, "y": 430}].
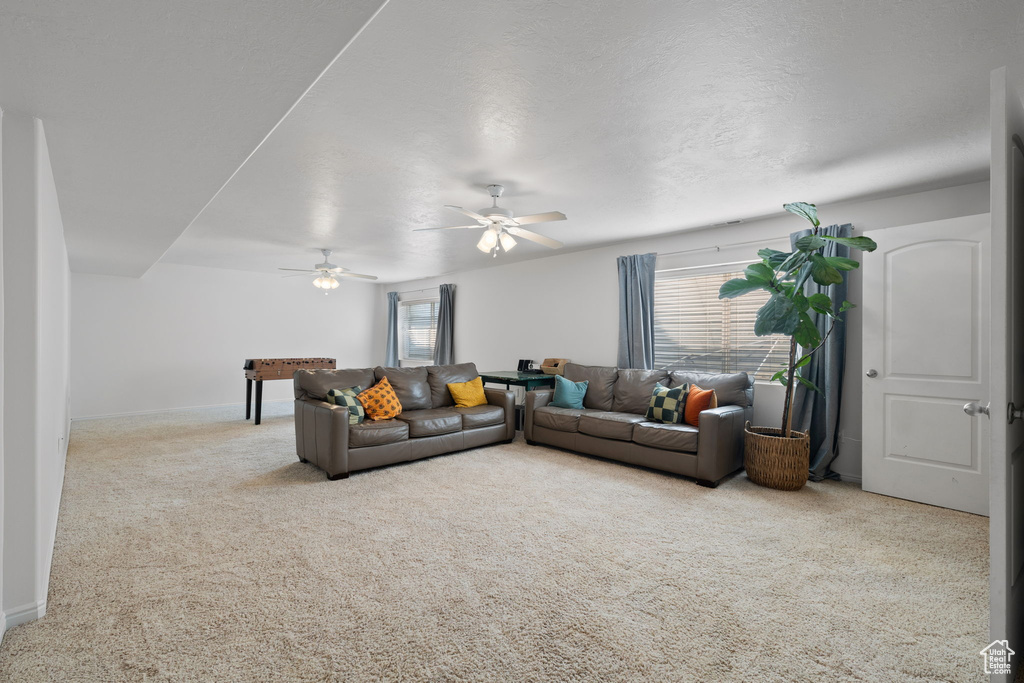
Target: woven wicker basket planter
[{"x": 774, "y": 461}]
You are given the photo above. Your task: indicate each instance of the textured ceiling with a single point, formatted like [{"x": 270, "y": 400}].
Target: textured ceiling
[{"x": 632, "y": 118}]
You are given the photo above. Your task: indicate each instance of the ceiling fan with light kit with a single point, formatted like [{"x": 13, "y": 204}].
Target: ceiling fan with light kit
[
  {"x": 502, "y": 226},
  {"x": 327, "y": 273}
]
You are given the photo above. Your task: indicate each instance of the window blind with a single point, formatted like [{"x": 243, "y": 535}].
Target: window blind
[
  {"x": 418, "y": 330},
  {"x": 695, "y": 330}
]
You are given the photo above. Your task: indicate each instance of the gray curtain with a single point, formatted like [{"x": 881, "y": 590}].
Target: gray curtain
[
  {"x": 636, "y": 311},
  {"x": 814, "y": 412},
  {"x": 391, "y": 350},
  {"x": 444, "y": 352}
]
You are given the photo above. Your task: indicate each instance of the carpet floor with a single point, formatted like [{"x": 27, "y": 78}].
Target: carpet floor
[{"x": 193, "y": 546}]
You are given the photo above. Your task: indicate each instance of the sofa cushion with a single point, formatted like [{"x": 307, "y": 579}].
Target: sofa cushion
[
  {"x": 377, "y": 433},
  {"x": 632, "y": 390},
  {"x": 380, "y": 401},
  {"x": 667, "y": 437},
  {"x": 698, "y": 400},
  {"x": 316, "y": 383},
  {"x": 468, "y": 394},
  {"x": 481, "y": 416},
  {"x": 432, "y": 421},
  {"x": 666, "y": 404},
  {"x": 732, "y": 389},
  {"x": 440, "y": 376},
  {"x": 560, "y": 419},
  {"x": 609, "y": 425},
  {"x": 569, "y": 394},
  {"x": 350, "y": 399},
  {"x": 600, "y": 387},
  {"x": 410, "y": 385}
]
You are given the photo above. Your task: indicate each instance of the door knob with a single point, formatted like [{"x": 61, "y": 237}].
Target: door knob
[
  {"x": 974, "y": 409},
  {"x": 1013, "y": 413},
  {"x": 872, "y": 373}
]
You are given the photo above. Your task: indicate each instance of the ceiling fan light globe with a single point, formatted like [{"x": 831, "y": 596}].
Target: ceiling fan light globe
[
  {"x": 507, "y": 241},
  {"x": 487, "y": 241},
  {"x": 334, "y": 283}
]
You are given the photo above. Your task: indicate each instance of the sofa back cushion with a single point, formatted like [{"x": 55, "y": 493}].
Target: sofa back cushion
[
  {"x": 316, "y": 383},
  {"x": 409, "y": 384},
  {"x": 732, "y": 389},
  {"x": 440, "y": 376},
  {"x": 632, "y": 392},
  {"x": 600, "y": 384}
]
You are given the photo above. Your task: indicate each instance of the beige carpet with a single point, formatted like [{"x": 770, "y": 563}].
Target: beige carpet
[{"x": 192, "y": 546}]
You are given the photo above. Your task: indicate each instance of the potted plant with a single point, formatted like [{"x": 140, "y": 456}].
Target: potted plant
[{"x": 779, "y": 458}]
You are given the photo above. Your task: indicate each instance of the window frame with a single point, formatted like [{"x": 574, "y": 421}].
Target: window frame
[
  {"x": 404, "y": 359},
  {"x": 775, "y": 359}
]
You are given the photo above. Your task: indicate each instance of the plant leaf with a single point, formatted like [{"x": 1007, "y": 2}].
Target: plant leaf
[
  {"x": 759, "y": 272},
  {"x": 846, "y": 306},
  {"x": 731, "y": 289},
  {"x": 821, "y": 303},
  {"x": 806, "y": 332},
  {"x": 808, "y": 211},
  {"x": 808, "y": 383},
  {"x": 781, "y": 374},
  {"x": 772, "y": 257},
  {"x": 841, "y": 263},
  {"x": 823, "y": 273},
  {"x": 862, "y": 243},
  {"x": 801, "y": 303},
  {"x": 795, "y": 260},
  {"x": 803, "y": 361},
  {"x": 810, "y": 243},
  {"x": 801, "y": 278},
  {"x": 778, "y": 316}
]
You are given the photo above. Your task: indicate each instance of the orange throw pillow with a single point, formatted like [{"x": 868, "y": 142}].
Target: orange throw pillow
[
  {"x": 380, "y": 401},
  {"x": 697, "y": 400}
]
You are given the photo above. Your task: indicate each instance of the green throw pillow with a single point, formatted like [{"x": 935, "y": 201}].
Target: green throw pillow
[
  {"x": 569, "y": 394},
  {"x": 667, "y": 404},
  {"x": 347, "y": 398}
]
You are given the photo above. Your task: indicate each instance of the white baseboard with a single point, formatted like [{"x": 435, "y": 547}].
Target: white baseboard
[
  {"x": 24, "y": 614},
  {"x": 241, "y": 406}
]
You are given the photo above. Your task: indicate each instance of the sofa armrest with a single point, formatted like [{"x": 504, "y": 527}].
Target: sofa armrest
[
  {"x": 321, "y": 435},
  {"x": 507, "y": 401},
  {"x": 720, "y": 443},
  {"x": 534, "y": 399}
]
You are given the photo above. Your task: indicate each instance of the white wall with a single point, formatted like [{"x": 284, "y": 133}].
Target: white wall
[
  {"x": 177, "y": 337},
  {"x": 35, "y": 354},
  {"x": 566, "y": 305}
]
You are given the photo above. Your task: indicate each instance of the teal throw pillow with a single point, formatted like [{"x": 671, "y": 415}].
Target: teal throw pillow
[
  {"x": 667, "y": 404},
  {"x": 347, "y": 398},
  {"x": 569, "y": 394}
]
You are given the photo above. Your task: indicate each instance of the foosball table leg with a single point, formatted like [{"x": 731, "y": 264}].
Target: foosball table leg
[
  {"x": 248, "y": 398},
  {"x": 259, "y": 399}
]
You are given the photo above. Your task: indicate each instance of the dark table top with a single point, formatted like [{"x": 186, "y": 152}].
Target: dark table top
[{"x": 513, "y": 376}]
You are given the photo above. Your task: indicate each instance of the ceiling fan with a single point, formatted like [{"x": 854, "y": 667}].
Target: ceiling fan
[
  {"x": 503, "y": 226},
  {"x": 328, "y": 271}
]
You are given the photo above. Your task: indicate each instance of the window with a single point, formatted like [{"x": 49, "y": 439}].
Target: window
[
  {"x": 695, "y": 330},
  {"x": 417, "y": 329}
]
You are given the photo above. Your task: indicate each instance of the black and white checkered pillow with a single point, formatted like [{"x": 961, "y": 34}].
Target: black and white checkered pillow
[
  {"x": 667, "y": 404},
  {"x": 347, "y": 397}
]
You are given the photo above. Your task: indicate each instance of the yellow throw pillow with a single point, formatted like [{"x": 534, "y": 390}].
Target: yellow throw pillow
[
  {"x": 380, "y": 401},
  {"x": 468, "y": 394}
]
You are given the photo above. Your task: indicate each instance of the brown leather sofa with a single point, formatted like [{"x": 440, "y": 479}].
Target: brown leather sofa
[
  {"x": 429, "y": 424},
  {"x": 612, "y": 424}
]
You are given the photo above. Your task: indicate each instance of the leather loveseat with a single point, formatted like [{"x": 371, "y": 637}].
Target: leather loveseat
[
  {"x": 429, "y": 424},
  {"x": 612, "y": 423}
]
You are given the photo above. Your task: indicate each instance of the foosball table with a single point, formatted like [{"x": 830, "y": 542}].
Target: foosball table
[{"x": 260, "y": 369}]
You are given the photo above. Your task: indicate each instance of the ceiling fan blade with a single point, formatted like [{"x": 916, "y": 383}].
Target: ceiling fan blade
[
  {"x": 284, "y": 277},
  {"x": 472, "y": 214},
  {"x": 451, "y": 227},
  {"x": 540, "y": 217},
  {"x": 300, "y": 270},
  {"x": 337, "y": 269},
  {"x": 534, "y": 237},
  {"x": 359, "y": 275}
]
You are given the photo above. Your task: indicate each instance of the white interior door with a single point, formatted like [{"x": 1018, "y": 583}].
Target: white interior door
[
  {"x": 926, "y": 319},
  {"x": 1006, "y": 524}
]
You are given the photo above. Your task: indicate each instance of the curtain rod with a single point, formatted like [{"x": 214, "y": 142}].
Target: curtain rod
[
  {"x": 735, "y": 244},
  {"x": 417, "y": 291}
]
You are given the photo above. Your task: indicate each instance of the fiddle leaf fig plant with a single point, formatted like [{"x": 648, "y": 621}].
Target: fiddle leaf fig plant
[{"x": 788, "y": 310}]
